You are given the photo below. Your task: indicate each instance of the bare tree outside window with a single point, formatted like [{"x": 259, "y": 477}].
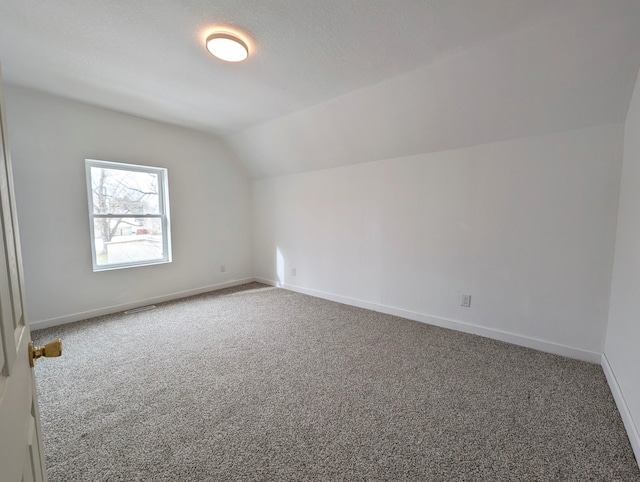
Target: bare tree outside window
[{"x": 127, "y": 206}]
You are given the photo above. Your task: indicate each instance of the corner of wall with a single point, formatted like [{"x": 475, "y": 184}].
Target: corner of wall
[{"x": 627, "y": 418}]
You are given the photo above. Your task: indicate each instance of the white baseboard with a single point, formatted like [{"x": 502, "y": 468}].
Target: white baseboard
[
  {"x": 521, "y": 340},
  {"x": 107, "y": 310},
  {"x": 633, "y": 431}
]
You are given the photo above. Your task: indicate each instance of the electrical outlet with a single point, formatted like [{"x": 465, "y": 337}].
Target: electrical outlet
[
  {"x": 294, "y": 272},
  {"x": 465, "y": 300},
  {"x": 223, "y": 268}
]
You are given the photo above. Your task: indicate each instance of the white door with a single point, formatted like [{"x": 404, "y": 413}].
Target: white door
[{"x": 21, "y": 456}]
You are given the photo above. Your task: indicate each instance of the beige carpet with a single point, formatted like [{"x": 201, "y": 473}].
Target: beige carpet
[{"x": 258, "y": 383}]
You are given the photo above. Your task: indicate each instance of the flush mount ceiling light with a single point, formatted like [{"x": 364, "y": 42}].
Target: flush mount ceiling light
[{"x": 226, "y": 46}]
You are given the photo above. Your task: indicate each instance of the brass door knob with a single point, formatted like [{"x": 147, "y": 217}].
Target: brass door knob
[{"x": 51, "y": 349}]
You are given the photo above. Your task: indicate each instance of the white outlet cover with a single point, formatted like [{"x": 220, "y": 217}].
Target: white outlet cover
[{"x": 465, "y": 300}]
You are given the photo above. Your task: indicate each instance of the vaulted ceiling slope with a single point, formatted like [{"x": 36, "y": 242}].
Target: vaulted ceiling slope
[{"x": 336, "y": 82}]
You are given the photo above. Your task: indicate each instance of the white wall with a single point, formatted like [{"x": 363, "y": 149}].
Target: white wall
[
  {"x": 49, "y": 139},
  {"x": 622, "y": 349},
  {"x": 525, "y": 226}
]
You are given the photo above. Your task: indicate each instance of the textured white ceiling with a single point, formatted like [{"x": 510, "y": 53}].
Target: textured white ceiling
[
  {"x": 572, "y": 71},
  {"x": 371, "y": 78}
]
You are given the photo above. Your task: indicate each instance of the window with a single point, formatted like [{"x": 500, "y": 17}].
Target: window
[{"x": 128, "y": 215}]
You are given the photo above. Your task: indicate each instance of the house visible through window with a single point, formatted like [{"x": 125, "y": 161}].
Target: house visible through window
[{"x": 128, "y": 214}]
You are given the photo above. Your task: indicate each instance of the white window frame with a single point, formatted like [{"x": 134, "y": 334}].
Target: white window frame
[{"x": 163, "y": 201}]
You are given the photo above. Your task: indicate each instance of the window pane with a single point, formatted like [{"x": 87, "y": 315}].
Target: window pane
[
  {"x": 117, "y": 191},
  {"x": 128, "y": 240}
]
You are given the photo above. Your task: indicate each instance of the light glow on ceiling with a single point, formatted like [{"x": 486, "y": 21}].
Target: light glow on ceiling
[{"x": 226, "y": 46}]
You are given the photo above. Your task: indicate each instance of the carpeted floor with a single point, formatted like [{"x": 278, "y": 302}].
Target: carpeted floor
[{"x": 259, "y": 383}]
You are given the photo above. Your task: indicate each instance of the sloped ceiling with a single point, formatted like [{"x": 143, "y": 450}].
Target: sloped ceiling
[{"x": 335, "y": 82}]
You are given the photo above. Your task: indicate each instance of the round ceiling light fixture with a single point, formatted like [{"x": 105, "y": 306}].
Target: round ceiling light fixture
[{"x": 226, "y": 46}]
